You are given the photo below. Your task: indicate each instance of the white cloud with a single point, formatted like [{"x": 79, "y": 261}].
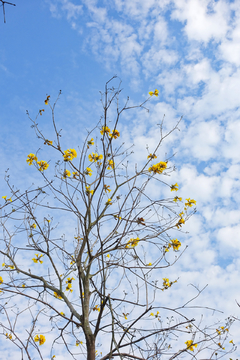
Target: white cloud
[{"x": 204, "y": 20}]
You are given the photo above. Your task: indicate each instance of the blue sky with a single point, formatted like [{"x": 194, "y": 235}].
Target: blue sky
[{"x": 190, "y": 51}]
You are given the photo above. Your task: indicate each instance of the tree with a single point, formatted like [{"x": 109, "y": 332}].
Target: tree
[
  {"x": 92, "y": 292},
  {"x": 3, "y": 5}
]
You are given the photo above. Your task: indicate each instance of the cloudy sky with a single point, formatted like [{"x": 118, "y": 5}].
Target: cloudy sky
[{"x": 187, "y": 49}]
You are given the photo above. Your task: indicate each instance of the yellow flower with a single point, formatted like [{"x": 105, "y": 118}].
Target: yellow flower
[
  {"x": 177, "y": 199},
  {"x": 108, "y": 256},
  {"x": 88, "y": 191},
  {"x": 90, "y": 142},
  {"x": 9, "y": 336},
  {"x": 166, "y": 282},
  {"x": 132, "y": 243},
  {"x": 3, "y": 264},
  {"x": 4, "y": 197},
  {"x": 231, "y": 342},
  {"x": 31, "y": 158},
  {"x": 1, "y": 280},
  {"x": 47, "y": 99},
  {"x": 221, "y": 346},
  {"x": 114, "y": 134},
  {"x": 33, "y": 226},
  {"x": 66, "y": 173},
  {"x": 38, "y": 258},
  {"x": 109, "y": 202},
  {"x": 190, "y": 202},
  {"x": 107, "y": 188},
  {"x": 68, "y": 288},
  {"x": 40, "y": 338},
  {"x": 156, "y": 92},
  {"x": 149, "y": 264},
  {"x": 151, "y": 314},
  {"x": 48, "y": 142},
  {"x": 69, "y": 280},
  {"x": 88, "y": 171},
  {"x": 62, "y": 313},
  {"x": 105, "y": 130},
  {"x": 158, "y": 168},
  {"x": 56, "y": 295},
  {"x": 190, "y": 345},
  {"x": 96, "y": 308},
  {"x": 125, "y": 315},
  {"x": 152, "y": 156},
  {"x": 78, "y": 342},
  {"x": 43, "y": 165},
  {"x": 175, "y": 244},
  {"x": 75, "y": 174},
  {"x": 180, "y": 222},
  {"x": 69, "y": 154},
  {"x": 174, "y": 187},
  {"x": 94, "y": 157},
  {"x": 110, "y": 165},
  {"x": 23, "y": 285}
]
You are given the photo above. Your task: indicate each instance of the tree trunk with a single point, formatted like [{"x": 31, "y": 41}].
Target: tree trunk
[{"x": 90, "y": 342}]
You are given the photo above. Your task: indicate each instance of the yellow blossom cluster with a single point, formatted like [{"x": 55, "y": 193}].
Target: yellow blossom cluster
[
  {"x": 30, "y": 158},
  {"x": 69, "y": 154},
  {"x": 109, "y": 202},
  {"x": 66, "y": 173},
  {"x": 177, "y": 199},
  {"x": 180, "y": 222},
  {"x": 174, "y": 243},
  {"x": 88, "y": 191},
  {"x": 47, "y": 100},
  {"x": 69, "y": 284},
  {"x": 38, "y": 258},
  {"x": 222, "y": 330},
  {"x": 174, "y": 187},
  {"x": 48, "y": 142},
  {"x": 5, "y": 198},
  {"x": 40, "y": 338},
  {"x": 107, "y": 188},
  {"x": 88, "y": 171},
  {"x": 156, "y": 92},
  {"x": 156, "y": 315},
  {"x": 8, "y": 336},
  {"x": 8, "y": 266},
  {"x": 110, "y": 165},
  {"x": 56, "y": 295},
  {"x": 158, "y": 168},
  {"x": 190, "y": 202},
  {"x": 79, "y": 342},
  {"x": 132, "y": 243},
  {"x": 105, "y": 130},
  {"x": 96, "y": 308},
  {"x": 43, "y": 165},
  {"x": 152, "y": 156},
  {"x": 167, "y": 284},
  {"x": 1, "y": 280},
  {"x": 90, "y": 142},
  {"x": 190, "y": 345},
  {"x": 94, "y": 157}
]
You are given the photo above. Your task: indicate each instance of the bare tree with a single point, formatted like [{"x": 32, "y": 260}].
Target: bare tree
[
  {"x": 92, "y": 292},
  {"x": 3, "y": 6}
]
